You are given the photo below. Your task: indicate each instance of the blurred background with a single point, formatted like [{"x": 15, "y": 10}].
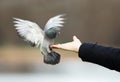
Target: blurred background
[{"x": 90, "y": 20}]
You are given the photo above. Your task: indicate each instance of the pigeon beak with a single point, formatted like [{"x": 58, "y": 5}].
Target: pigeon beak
[
  {"x": 50, "y": 47},
  {"x": 58, "y": 33}
]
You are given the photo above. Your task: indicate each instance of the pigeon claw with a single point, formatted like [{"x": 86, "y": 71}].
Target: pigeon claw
[{"x": 52, "y": 58}]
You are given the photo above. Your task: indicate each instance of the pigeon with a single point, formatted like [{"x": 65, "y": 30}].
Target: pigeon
[{"x": 36, "y": 37}]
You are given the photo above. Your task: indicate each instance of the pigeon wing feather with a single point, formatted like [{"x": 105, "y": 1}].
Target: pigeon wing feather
[
  {"x": 53, "y": 26},
  {"x": 28, "y": 30}
]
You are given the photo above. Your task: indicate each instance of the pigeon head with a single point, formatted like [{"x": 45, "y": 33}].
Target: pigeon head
[{"x": 52, "y": 33}]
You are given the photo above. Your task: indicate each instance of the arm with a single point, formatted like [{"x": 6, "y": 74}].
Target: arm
[{"x": 106, "y": 56}]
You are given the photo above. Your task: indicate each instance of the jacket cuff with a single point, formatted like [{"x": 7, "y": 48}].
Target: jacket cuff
[{"x": 85, "y": 50}]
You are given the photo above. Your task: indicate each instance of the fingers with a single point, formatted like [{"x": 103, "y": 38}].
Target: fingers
[
  {"x": 56, "y": 46},
  {"x": 65, "y": 46}
]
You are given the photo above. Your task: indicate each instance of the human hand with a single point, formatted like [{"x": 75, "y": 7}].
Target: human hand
[{"x": 71, "y": 46}]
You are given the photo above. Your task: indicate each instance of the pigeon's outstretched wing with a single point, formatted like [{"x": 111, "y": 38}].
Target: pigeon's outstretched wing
[
  {"x": 53, "y": 26},
  {"x": 28, "y": 30}
]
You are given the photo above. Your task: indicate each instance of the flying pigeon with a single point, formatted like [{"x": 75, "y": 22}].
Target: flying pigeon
[{"x": 33, "y": 34}]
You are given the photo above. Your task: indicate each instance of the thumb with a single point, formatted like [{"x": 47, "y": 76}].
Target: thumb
[{"x": 75, "y": 38}]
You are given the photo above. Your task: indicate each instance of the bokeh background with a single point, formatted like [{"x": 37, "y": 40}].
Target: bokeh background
[{"x": 90, "y": 20}]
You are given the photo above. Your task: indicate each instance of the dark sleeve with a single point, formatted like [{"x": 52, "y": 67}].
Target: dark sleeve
[{"x": 105, "y": 56}]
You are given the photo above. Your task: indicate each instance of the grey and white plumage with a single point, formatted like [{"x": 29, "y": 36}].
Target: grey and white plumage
[{"x": 34, "y": 35}]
